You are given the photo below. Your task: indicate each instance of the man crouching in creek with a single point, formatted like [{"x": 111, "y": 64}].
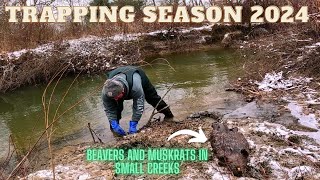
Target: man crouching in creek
[{"x": 126, "y": 83}]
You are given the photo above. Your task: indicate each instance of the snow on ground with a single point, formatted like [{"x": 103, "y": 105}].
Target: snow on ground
[
  {"x": 211, "y": 170},
  {"x": 39, "y": 50},
  {"x": 127, "y": 37},
  {"x": 309, "y": 149},
  {"x": 313, "y": 45},
  {"x": 61, "y": 172},
  {"x": 300, "y": 171},
  {"x": 283, "y": 132},
  {"x": 208, "y": 28},
  {"x": 275, "y": 80},
  {"x": 84, "y": 45},
  {"x": 272, "y": 129},
  {"x": 56, "y": 3},
  {"x": 279, "y": 160},
  {"x": 275, "y": 156},
  {"x": 16, "y": 54},
  {"x": 218, "y": 172}
]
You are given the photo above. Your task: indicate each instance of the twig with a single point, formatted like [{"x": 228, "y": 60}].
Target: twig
[
  {"x": 55, "y": 120},
  {"x": 97, "y": 136},
  {"x": 49, "y": 133},
  {"x": 42, "y": 134},
  {"x": 65, "y": 94},
  {"x": 91, "y": 130},
  {"x": 153, "y": 112},
  {"x": 94, "y": 141},
  {"x": 167, "y": 62}
]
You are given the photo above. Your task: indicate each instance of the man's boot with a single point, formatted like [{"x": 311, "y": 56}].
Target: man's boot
[
  {"x": 133, "y": 127},
  {"x": 167, "y": 113}
]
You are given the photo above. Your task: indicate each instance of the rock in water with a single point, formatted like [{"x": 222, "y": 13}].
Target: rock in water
[{"x": 230, "y": 147}]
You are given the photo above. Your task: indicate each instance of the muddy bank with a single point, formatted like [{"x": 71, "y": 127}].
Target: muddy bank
[
  {"x": 275, "y": 151},
  {"x": 93, "y": 54}
]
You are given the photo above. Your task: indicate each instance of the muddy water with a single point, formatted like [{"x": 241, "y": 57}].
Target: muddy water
[{"x": 199, "y": 80}]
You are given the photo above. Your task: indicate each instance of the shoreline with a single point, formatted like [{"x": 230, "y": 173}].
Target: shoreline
[{"x": 91, "y": 55}]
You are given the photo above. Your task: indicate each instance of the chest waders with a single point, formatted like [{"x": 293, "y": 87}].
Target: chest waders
[{"x": 150, "y": 92}]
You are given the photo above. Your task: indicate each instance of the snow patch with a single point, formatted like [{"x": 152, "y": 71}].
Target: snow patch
[
  {"x": 281, "y": 131},
  {"x": 61, "y": 172},
  {"x": 299, "y": 151},
  {"x": 271, "y": 128},
  {"x": 85, "y": 45},
  {"x": 300, "y": 172},
  {"x": 217, "y": 173},
  {"x": 16, "y": 54},
  {"x": 208, "y": 28},
  {"x": 60, "y": 3},
  {"x": 273, "y": 155},
  {"x": 275, "y": 80},
  {"x": 313, "y": 45},
  {"x": 126, "y": 37}
]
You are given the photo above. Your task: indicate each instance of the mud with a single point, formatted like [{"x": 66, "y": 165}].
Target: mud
[{"x": 260, "y": 149}]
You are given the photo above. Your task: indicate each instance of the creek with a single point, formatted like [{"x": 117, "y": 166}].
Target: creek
[{"x": 199, "y": 80}]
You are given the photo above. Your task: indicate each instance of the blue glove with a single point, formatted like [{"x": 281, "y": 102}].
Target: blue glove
[
  {"x": 133, "y": 127},
  {"x": 115, "y": 127}
]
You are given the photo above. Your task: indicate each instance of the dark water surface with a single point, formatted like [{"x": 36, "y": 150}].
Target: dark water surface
[{"x": 199, "y": 77}]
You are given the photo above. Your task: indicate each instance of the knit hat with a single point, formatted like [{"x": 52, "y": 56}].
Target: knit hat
[{"x": 112, "y": 88}]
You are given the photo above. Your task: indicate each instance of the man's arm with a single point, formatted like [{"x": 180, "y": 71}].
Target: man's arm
[
  {"x": 110, "y": 107},
  {"x": 138, "y": 97}
]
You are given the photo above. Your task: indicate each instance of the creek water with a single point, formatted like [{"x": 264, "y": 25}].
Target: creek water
[{"x": 199, "y": 80}]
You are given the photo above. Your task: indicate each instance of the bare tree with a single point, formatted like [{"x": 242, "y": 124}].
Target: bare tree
[{"x": 154, "y": 2}]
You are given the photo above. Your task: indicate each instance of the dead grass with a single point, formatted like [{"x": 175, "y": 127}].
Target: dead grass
[{"x": 18, "y": 36}]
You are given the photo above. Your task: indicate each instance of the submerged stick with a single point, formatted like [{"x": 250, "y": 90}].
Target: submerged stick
[
  {"x": 94, "y": 140},
  {"x": 97, "y": 136}
]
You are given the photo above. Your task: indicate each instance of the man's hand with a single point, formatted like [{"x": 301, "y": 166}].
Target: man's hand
[
  {"x": 133, "y": 127},
  {"x": 115, "y": 127}
]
